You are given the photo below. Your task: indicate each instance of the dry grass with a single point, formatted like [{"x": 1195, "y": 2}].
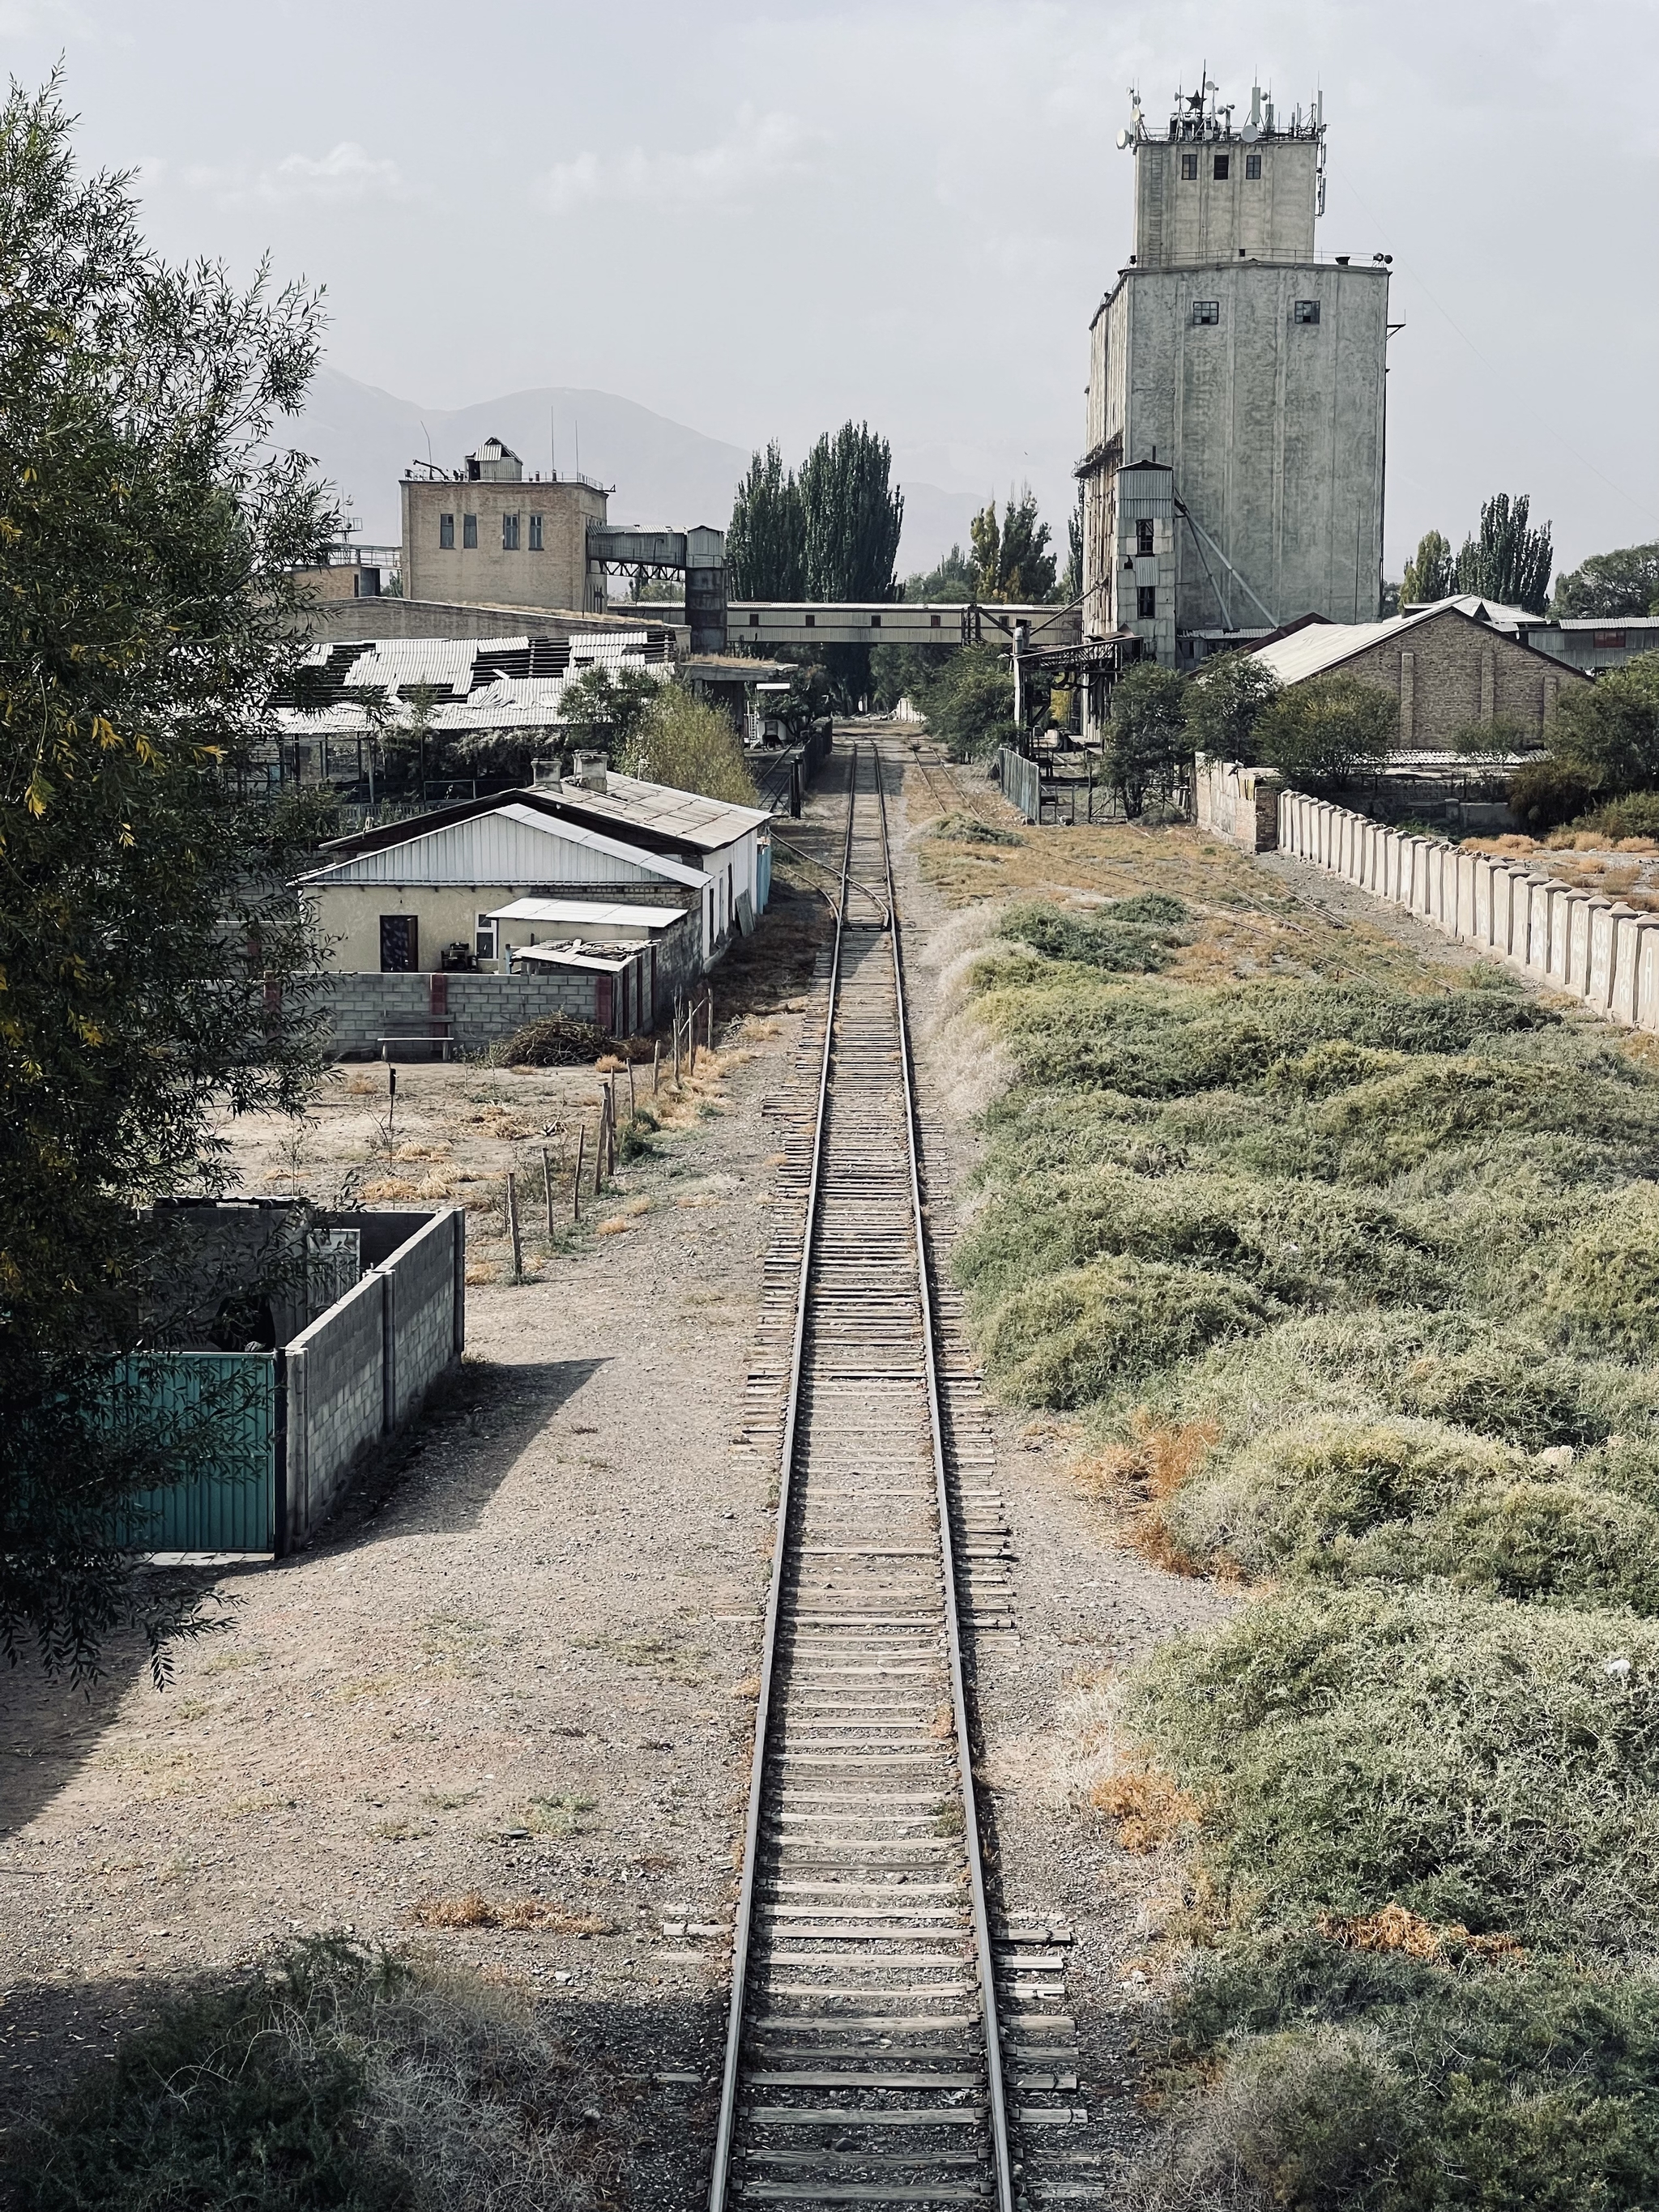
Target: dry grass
[
  {"x": 1141, "y": 1474},
  {"x": 615, "y": 1226},
  {"x": 1395, "y": 1929},
  {"x": 749, "y": 1689},
  {"x": 473, "y": 1909},
  {"x": 1150, "y": 1807}
]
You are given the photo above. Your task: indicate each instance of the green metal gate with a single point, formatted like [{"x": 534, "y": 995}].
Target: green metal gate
[{"x": 224, "y": 1412}]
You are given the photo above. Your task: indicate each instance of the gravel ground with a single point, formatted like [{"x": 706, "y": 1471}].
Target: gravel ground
[{"x": 516, "y": 1668}]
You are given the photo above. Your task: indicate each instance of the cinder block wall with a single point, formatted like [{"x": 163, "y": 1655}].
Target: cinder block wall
[
  {"x": 1570, "y": 940},
  {"x": 365, "y": 1367},
  {"x": 482, "y": 1008}
]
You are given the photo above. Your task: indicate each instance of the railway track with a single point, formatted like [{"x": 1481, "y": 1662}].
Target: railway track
[{"x": 863, "y": 2059}]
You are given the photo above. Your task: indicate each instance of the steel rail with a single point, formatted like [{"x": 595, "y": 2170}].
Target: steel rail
[
  {"x": 1000, "y": 2154},
  {"x": 745, "y": 1912},
  {"x": 861, "y": 1292}
]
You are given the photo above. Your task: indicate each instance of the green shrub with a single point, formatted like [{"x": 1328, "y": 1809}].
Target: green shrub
[
  {"x": 1083, "y": 1333},
  {"x": 1535, "y": 2089},
  {"x": 1467, "y": 1757},
  {"x": 1507, "y": 1389},
  {"x": 1096, "y": 941},
  {"x": 968, "y": 829},
  {"x": 1545, "y": 1541},
  {"x": 1635, "y": 815},
  {"x": 1297, "y": 1491},
  {"x": 1544, "y": 794},
  {"x": 1305, "y": 1246},
  {"x": 1605, "y": 1293}
]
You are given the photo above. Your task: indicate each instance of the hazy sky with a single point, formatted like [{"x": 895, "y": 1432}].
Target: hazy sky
[{"x": 760, "y": 220}]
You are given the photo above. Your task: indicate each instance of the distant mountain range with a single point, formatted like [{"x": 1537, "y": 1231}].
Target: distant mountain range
[{"x": 665, "y": 475}]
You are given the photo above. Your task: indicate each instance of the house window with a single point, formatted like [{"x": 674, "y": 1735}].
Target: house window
[
  {"x": 1189, "y": 167},
  {"x": 811, "y": 622},
  {"x": 469, "y": 531},
  {"x": 875, "y": 622},
  {"x": 1252, "y": 168},
  {"x": 935, "y": 621},
  {"x": 1609, "y": 641},
  {"x": 446, "y": 533},
  {"x": 1207, "y": 311},
  {"x": 509, "y": 533},
  {"x": 535, "y": 533},
  {"x": 1304, "y": 311},
  {"x": 754, "y": 622},
  {"x": 1145, "y": 602},
  {"x": 483, "y": 939},
  {"x": 1144, "y": 538},
  {"x": 1222, "y": 163}
]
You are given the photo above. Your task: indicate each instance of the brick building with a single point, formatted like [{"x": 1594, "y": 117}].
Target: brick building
[
  {"x": 495, "y": 536},
  {"x": 1448, "y": 672}
]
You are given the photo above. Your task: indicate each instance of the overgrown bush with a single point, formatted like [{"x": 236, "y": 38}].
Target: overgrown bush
[
  {"x": 343, "y": 2077},
  {"x": 1357, "y": 1288},
  {"x": 1121, "y": 944},
  {"x": 1473, "y": 1759},
  {"x": 1635, "y": 815}
]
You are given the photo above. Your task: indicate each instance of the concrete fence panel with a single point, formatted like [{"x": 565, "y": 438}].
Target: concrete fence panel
[
  {"x": 1578, "y": 945},
  {"x": 1631, "y": 933},
  {"x": 1560, "y": 933},
  {"x": 1647, "y": 977},
  {"x": 1603, "y": 923},
  {"x": 1481, "y": 889},
  {"x": 1539, "y": 915}
]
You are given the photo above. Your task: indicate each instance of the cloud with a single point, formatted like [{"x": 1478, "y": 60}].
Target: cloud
[
  {"x": 758, "y": 149},
  {"x": 346, "y": 173}
]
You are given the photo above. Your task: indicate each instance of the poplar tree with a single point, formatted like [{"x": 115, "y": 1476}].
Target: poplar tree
[
  {"x": 854, "y": 515},
  {"x": 1429, "y": 572},
  {"x": 766, "y": 539},
  {"x": 152, "y": 967},
  {"x": 1508, "y": 561}
]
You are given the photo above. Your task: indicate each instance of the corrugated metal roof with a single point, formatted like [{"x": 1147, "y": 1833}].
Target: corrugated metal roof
[
  {"x": 597, "y": 912},
  {"x": 506, "y": 845},
  {"x": 707, "y": 824},
  {"x": 1321, "y": 645}
]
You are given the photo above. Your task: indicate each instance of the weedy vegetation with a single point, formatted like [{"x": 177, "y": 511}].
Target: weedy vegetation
[
  {"x": 1353, "y": 1279},
  {"x": 340, "y": 2076}
]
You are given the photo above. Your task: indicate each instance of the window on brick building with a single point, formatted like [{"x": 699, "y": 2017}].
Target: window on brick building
[
  {"x": 535, "y": 533},
  {"x": 509, "y": 533},
  {"x": 1144, "y": 538},
  {"x": 1207, "y": 311},
  {"x": 1252, "y": 168},
  {"x": 1145, "y": 602},
  {"x": 1189, "y": 167},
  {"x": 1304, "y": 311},
  {"x": 446, "y": 533},
  {"x": 483, "y": 939},
  {"x": 1223, "y": 163},
  {"x": 468, "y": 530}
]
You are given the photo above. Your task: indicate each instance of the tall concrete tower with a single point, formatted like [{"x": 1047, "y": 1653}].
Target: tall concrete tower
[{"x": 1233, "y": 478}]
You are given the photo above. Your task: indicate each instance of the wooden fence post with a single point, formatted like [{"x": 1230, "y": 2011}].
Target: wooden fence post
[
  {"x": 711, "y": 1021},
  {"x": 633, "y": 1102},
  {"x": 656, "y": 1066},
  {"x": 513, "y": 1226},
  {"x": 576, "y": 1191},
  {"x": 547, "y": 1186}
]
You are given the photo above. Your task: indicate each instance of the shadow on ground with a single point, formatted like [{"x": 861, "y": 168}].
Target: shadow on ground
[{"x": 52, "y": 2035}]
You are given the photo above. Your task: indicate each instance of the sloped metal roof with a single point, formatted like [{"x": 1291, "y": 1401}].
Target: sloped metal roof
[
  {"x": 685, "y": 815},
  {"x": 509, "y": 844},
  {"x": 1322, "y": 646}
]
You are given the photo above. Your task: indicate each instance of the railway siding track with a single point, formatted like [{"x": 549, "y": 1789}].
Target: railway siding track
[{"x": 863, "y": 2064}]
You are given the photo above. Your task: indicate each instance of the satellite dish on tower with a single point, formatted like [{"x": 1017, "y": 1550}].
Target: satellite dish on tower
[
  {"x": 1124, "y": 138},
  {"x": 1249, "y": 132}
]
